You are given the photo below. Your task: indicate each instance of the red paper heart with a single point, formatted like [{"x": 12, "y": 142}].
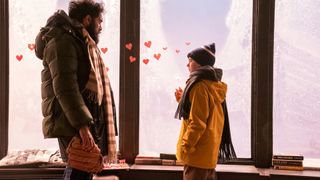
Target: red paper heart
[
  {"x": 129, "y": 46},
  {"x": 132, "y": 59},
  {"x": 165, "y": 48},
  {"x": 146, "y": 61},
  {"x": 177, "y": 51},
  {"x": 104, "y": 50},
  {"x": 31, "y": 46},
  {"x": 157, "y": 56},
  {"x": 19, "y": 57},
  {"x": 188, "y": 43},
  {"x": 148, "y": 44}
]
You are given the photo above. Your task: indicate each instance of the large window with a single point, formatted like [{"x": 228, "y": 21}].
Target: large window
[
  {"x": 25, "y": 20},
  {"x": 171, "y": 29},
  {"x": 251, "y": 79},
  {"x": 297, "y": 78}
]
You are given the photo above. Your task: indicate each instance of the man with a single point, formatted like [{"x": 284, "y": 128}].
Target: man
[
  {"x": 77, "y": 99},
  {"x": 201, "y": 107}
]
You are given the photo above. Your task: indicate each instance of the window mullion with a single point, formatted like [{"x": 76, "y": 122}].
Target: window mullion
[
  {"x": 4, "y": 76},
  {"x": 129, "y": 80},
  {"x": 262, "y": 82}
]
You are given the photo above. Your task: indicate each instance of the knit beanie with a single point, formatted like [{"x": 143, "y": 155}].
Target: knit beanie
[{"x": 204, "y": 55}]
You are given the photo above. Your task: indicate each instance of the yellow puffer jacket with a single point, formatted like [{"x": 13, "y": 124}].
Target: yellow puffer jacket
[{"x": 200, "y": 135}]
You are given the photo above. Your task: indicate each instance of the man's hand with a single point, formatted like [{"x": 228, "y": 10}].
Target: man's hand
[
  {"x": 86, "y": 138},
  {"x": 178, "y": 94}
]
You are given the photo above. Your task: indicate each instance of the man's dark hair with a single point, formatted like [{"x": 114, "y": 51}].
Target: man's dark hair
[{"x": 78, "y": 9}]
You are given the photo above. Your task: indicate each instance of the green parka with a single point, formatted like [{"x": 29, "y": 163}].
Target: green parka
[{"x": 66, "y": 69}]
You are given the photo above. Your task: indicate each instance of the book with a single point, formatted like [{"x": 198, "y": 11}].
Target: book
[
  {"x": 148, "y": 161},
  {"x": 281, "y": 162},
  {"x": 168, "y": 162},
  {"x": 156, "y": 161},
  {"x": 179, "y": 163},
  {"x": 146, "y": 157},
  {"x": 168, "y": 156},
  {"x": 294, "y": 168},
  {"x": 288, "y": 157}
]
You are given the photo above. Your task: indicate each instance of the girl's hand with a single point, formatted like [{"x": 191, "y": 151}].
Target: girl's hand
[{"x": 178, "y": 94}]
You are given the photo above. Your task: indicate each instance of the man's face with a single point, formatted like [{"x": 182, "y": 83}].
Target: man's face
[{"x": 95, "y": 28}]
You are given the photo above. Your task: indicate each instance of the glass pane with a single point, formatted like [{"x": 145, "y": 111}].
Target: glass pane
[
  {"x": 174, "y": 28},
  {"x": 26, "y": 18},
  {"x": 296, "y": 78}
]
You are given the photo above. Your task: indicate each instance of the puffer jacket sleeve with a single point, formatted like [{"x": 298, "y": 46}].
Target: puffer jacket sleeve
[{"x": 62, "y": 58}]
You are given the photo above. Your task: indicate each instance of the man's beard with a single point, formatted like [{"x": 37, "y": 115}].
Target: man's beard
[{"x": 91, "y": 30}]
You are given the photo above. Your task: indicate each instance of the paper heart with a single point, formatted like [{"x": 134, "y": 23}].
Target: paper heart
[
  {"x": 145, "y": 61},
  {"x": 31, "y": 46},
  {"x": 132, "y": 59},
  {"x": 177, "y": 51},
  {"x": 157, "y": 56},
  {"x": 104, "y": 50},
  {"x": 188, "y": 43},
  {"x": 129, "y": 46},
  {"x": 148, "y": 44},
  {"x": 107, "y": 69},
  {"x": 165, "y": 48},
  {"x": 19, "y": 57}
]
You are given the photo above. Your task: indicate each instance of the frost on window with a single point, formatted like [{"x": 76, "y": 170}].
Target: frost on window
[
  {"x": 296, "y": 78},
  {"x": 25, "y": 20},
  {"x": 174, "y": 29}
]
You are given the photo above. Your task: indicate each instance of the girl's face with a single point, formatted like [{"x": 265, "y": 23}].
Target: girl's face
[{"x": 192, "y": 65}]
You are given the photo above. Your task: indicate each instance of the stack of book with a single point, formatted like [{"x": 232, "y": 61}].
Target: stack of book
[
  {"x": 147, "y": 160},
  {"x": 164, "y": 159},
  {"x": 170, "y": 159},
  {"x": 288, "y": 162}
]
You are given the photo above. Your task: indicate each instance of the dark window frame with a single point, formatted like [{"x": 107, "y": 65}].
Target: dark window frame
[
  {"x": 4, "y": 76},
  {"x": 262, "y": 81}
]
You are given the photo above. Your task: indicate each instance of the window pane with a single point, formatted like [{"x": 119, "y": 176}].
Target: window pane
[
  {"x": 26, "y": 18},
  {"x": 174, "y": 28},
  {"x": 296, "y": 78}
]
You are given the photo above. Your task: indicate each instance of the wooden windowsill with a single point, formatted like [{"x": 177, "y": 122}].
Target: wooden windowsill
[
  {"x": 243, "y": 169},
  {"x": 304, "y": 173},
  {"x": 236, "y": 169},
  {"x": 156, "y": 167}
]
